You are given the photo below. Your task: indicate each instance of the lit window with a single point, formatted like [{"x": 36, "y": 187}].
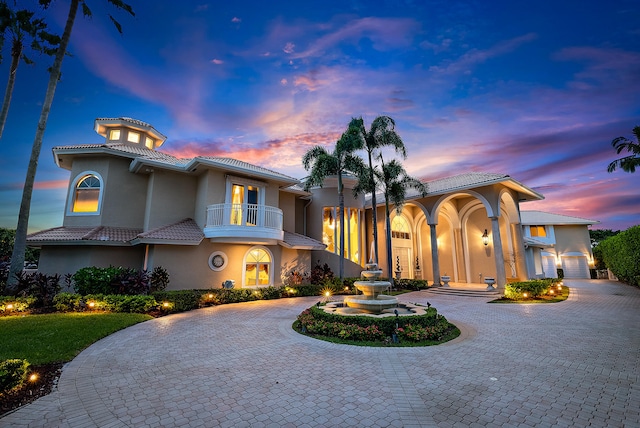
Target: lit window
[
  {"x": 257, "y": 268},
  {"x": 331, "y": 232},
  {"x": 149, "y": 143},
  {"x": 114, "y": 134},
  {"x": 133, "y": 137},
  {"x": 538, "y": 231},
  {"x": 87, "y": 195},
  {"x": 400, "y": 228}
]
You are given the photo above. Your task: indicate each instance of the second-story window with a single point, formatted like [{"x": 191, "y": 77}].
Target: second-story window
[
  {"x": 86, "y": 194},
  {"x": 538, "y": 231},
  {"x": 114, "y": 134},
  {"x": 331, "y": 231}
]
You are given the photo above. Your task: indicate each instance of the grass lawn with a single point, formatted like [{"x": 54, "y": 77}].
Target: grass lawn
[
  {"x": 58, "y": 337},
  {"x": 47, "y": 341}
]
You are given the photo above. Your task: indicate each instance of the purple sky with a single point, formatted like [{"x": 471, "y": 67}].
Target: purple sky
[{"x": 536, "y": 90}]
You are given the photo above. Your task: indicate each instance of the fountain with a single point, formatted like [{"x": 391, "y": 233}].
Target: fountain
[{"x": 371, "y": 301}]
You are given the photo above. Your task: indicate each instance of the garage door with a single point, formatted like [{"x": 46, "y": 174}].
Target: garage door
[
  {"x": 575, "y": 267},
  {"x": 549, "y": 267}
]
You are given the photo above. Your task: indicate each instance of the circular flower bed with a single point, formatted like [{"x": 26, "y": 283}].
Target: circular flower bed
[{"x": 414, "y": 330}]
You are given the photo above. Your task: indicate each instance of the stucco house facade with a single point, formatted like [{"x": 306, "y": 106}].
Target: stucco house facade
[{"x": 208, "y": 220}]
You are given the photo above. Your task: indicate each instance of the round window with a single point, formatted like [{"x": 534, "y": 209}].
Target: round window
[{"x": 217, "y": 261}]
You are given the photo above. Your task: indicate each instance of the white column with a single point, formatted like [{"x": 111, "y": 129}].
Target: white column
[
  {"x": 501, "y": 275},
  {"x": 434, "y": 255}
]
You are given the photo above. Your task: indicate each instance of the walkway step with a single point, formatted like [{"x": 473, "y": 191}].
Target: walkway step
[{"x": 463, "y": 292}]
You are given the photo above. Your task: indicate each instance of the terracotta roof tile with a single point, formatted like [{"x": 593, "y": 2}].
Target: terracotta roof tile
[
  {"x": 184, "y": 230},
  {"x": 100, "y": 233},
  {"x": 301, "y": 242}
]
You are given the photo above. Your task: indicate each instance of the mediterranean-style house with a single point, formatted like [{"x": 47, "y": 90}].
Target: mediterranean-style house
[{"x": 211, "y": 220}]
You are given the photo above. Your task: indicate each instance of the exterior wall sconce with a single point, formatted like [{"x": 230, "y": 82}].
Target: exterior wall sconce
[{"x": 485, "y": 238}]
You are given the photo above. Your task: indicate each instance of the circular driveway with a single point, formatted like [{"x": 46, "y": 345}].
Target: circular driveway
[{"x": 574, "y": 363}]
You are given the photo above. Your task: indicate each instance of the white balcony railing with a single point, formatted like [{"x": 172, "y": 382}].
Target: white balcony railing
[{"x": 238, "y": 220}]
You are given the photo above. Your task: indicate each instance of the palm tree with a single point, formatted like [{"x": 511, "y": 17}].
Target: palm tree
[
  {"x": 324, "y": 164},
  {"x": 21, "y": 25},
  {"x": 394, "y": 181},
  {"x": 381, "y": 134},
  {"x": 17, "y": 258},
  {"x": 627, "y": 163}
]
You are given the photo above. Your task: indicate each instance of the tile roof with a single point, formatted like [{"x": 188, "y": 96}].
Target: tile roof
[
  {"x": 127, "y": 119},
  {"x": 300, "y": 242},
  {"x": 100, "y": 233},
  {"x": 238, "y": 164},
  {"x": 464, "y": 181},
  {"x": 184, "y": 230},
  {"x": 542, "y": 218}
]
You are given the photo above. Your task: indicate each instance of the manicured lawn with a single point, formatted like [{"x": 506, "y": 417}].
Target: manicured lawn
[{"x": 59, "y": 337}]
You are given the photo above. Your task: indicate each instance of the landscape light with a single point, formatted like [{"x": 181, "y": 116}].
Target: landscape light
[
  {"x": 10, "y": 306},
  {"x": 33, "y": 377}
]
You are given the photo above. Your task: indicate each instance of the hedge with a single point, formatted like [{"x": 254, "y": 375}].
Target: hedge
[{"x": 621, "y": 255}]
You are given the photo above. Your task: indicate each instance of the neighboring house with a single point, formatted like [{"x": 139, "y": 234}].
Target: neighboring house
[
  {"x": 555, "y": 241},
  {"x": 211, "y": 219}
]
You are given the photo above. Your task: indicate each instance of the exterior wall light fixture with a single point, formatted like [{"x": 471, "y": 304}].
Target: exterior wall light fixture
[{"x": 485, "y": 238}]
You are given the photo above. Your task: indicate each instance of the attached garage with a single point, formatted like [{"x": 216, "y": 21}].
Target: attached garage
[
  {"x": 549, "y": 265},
  {"x": 575, "y": 266}
]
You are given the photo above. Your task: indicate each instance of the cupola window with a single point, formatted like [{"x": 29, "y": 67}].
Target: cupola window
[{"x": 133, "y": 137}]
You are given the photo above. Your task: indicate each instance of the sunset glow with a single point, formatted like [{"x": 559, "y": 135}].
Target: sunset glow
[{"x": 473, "y": 86}]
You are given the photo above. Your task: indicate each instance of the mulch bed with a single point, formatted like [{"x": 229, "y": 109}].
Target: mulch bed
[{"x": 48, "y": 375}]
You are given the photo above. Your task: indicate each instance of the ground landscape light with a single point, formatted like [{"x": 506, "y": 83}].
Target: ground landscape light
[
  {"x": 10, "y": 306},
  {"x": 92, "y": 304},
  {"x": 33, "y": 377}
]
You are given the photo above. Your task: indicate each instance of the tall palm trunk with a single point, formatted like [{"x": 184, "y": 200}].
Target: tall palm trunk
[
  {"x": 374, "y": 214},
  {"x": 341, "y": 204},
  {"x": 16, "y": 53},
  {"x": 17, "y": 258},
  {"x": 388, "y": 232}
]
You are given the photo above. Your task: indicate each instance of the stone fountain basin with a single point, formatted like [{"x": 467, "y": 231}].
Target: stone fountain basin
[
  {"x": 371, "y": 273},
  {"x": 372, "y": 287},
  {"x": 377, "y": 305}
]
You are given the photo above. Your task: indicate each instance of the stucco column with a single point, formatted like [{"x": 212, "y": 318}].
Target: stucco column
[
  {"x": 434, "y": 255},
  {"x": 460, "y": 262},
  {"x": 521, "y": 263},
  {"x": 501, "y": 276}
]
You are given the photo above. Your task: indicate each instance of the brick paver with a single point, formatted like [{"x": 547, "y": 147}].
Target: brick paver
[{"x": 570, "y": 364}]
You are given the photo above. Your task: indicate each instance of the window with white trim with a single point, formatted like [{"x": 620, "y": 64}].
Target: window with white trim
[
  {"x": 87, "y": 193},
  {"x": 258, "y": 270}
]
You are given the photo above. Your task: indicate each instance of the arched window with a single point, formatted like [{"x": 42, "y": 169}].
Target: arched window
[
  {"x": 400, "y": 228},
  {"x": 258, "y": 270},
  {"x": 86, "y": 194}
]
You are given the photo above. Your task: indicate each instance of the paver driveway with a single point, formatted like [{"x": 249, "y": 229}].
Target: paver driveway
[{"x": 574, "y": 363}]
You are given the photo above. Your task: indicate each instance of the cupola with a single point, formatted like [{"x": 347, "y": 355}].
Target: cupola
[{"x": 132, "y": 132}]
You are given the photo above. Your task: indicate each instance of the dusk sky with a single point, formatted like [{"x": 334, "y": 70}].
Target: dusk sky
[{"x": 536, "y": 90}]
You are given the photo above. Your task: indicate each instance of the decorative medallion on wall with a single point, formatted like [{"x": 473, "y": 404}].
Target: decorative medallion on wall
[{"x": 217, "y": 261}]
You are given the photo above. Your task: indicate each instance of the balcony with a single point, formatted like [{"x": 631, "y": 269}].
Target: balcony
[{"x": 245, "y": 223}]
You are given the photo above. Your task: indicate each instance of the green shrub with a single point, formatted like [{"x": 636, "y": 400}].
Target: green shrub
[
  {"x": 411, "y": 284},
  {"x": 180, "y": 300},
  {"x": 534, "y": 288},
  {"x": 94, "y": 280},
  {"x": 13, "y": 374},
  {"x": 16, "y": 304},
  {"x": 159, "y": 279},
  {"x": 386, "y": 324},
  {"x": 417, "y": 328},
  {"x": 119, "y": 280},
  {"x": 621, "y": 254},
  {"x": 67, "y": 302}
]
